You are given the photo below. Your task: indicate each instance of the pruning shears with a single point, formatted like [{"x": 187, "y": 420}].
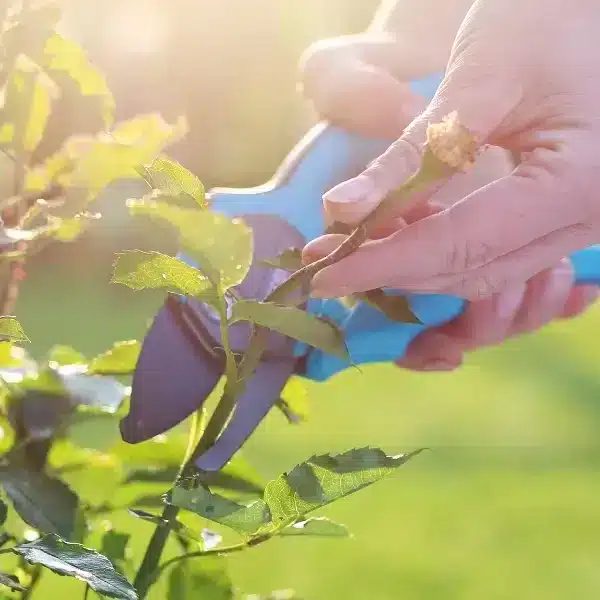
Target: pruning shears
[{"x": 181, "y": 360}]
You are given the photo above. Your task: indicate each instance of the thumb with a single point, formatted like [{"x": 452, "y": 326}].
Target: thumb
[{"x": 482, "y": 102}]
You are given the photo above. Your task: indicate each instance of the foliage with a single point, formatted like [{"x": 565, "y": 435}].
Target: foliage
[{"x": 60, "y": 415}]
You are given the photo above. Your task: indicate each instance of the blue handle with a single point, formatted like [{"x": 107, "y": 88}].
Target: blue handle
[{"x": 325, "y": 157}]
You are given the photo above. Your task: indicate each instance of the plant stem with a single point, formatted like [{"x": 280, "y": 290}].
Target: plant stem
[
  {"x": 86, "y": 592},
  {"x": 144, "y": 576}
]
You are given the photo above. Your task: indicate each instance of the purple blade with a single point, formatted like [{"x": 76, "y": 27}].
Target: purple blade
[
  {"x": 262, "y": 392},
  {"x": 173, "y": 377}
]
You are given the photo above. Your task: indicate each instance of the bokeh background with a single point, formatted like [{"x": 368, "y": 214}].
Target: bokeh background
[{"x": 505, "y": 504}]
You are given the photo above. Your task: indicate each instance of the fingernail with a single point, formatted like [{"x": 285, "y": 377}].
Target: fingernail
[
  {"x": 359, "y": 189},
  {"x": 509, "y": 301}
]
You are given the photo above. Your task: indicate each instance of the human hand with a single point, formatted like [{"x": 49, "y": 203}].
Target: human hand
[{"x": 519, "y": 308}]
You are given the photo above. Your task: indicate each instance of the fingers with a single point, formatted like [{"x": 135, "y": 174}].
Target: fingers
[
  {"x": 482, "y": 113},
  {"x": 359, "y": 95},
  {"x": 433, "y": 351},
  {"x": 580, "y": 299},
  {"x": 502, "y": 234},
  {"x": 547, "y": 295}
]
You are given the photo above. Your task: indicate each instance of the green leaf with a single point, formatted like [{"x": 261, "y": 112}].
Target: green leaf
[
  {"x": 12, "y": 582},
  {"x": 288, "y": 260},
  {"x": 29, "y": 96},
  {"x": 152, "y": 270},
  {"x": 93, "y": 431},
  {"x": 294, "y": 401},
  {"x": 394, "y": 307},
  {"x": 121, "y": 359},
  {"x": 75, "y": 560},
  {"x": 213, "y": 507},
  {"x": 44, "y": 503},
  {"x": 294, "y": 323},
  {"x": 96, "y": 162},
  {"x": 11, "y": 330},
  {"x": 223, "y": 247},
  {"x": 67, "y": 56},
  {"x": 325, "y": 479},
  {"x": 114, "y": 546},
  {"x": 316, "y": 527},
  {"x": 172, "y": 179},
  {"x": 65, "y": 355},
  {"x": 3, "y": 512},
  {"x": 69, "y": 229},
  {"x": 208, "y": 578}
]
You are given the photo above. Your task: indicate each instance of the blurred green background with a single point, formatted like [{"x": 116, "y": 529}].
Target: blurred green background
[{"x": 505, "y": 505}]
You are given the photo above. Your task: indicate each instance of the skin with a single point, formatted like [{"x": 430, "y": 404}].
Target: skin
[{"x": 536, "y": 98}]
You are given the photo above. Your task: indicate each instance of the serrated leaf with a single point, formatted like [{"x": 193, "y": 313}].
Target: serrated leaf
[
  {"x": 288, "y": 260},
  {"x": 172, "y": 179},
  {"x": 239, "y": 517},
  {"x": 222, "y": 246},
  {"x": 75, "y": 560},
  {"x": 294, "y": 401},
  {"x": 294, "y": 323},
  {"x": 152, "y": 270},
  {"x": 44, "y": 503},
  {"x": 64, "y": 55},
  {"x": 324, "y": 479},
  {"x": 121, "y": 359},
  {"x": 316, "y": 527},
  {"x": 12, "y": 582},
  {"x": 11, "y": 330}
]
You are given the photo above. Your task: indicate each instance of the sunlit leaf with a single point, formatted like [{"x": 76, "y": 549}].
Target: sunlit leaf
[
  {"x": 65, "y": 55},
  {"x": 172, "y": 179},
  {"x": 118, "y": 360},
  {"x": 221, "y": 246},
  {"x": 94, "y": 162},
  {"x": 327, "y": 478},
  {"x": 316, "y": 527},
  {"x": 28, "y": 105},
  {"x": 65, "y": 355},
  {"x": 294, "y": 323},
  {"x": 43, "y": 502},
  {"x": 214, "y": 507},
  {"x": 75, "y": 560},
  {"x": 153, "y": 270},
  {"x": 69, "y": 229},
  {"x": 294, "y": 401},
  {"x": 11, "y": 330}
]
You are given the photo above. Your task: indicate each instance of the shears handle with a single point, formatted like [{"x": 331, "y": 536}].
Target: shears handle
[{"x": 326, "y": 156}]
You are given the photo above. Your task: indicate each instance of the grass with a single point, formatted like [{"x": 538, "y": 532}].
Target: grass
[{"x": 503, "y": 506}]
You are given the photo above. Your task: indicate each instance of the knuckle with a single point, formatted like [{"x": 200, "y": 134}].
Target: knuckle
[{"x": 478, "y": 287}]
